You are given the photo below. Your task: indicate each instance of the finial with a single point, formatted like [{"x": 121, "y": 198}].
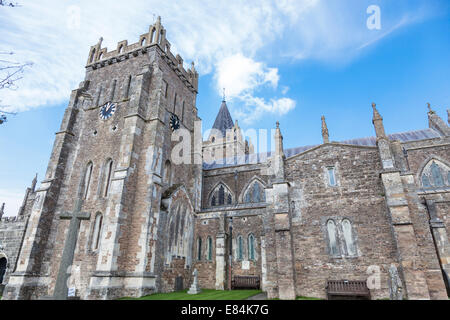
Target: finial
[
  {"x": 224, "y": 97},
  {"x": 193, "y": 67},
  {"x": 374, "y": 105},
  {"x": 278, "y": 125},
  {"x": 325, "y": 134},
  {"x": 33, "y": 183},
  {"x": 429, "y": 107},
  {"x": 100, "y": 41}
]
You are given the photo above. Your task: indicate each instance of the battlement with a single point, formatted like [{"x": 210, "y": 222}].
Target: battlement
[
  {"x": 12, "y": 219},
  {"x": 156, "y": 36}
]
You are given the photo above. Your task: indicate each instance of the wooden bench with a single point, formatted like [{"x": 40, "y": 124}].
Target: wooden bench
[
  {"x": 347, "y": 290},
  {"x": 245, "y": 282}
]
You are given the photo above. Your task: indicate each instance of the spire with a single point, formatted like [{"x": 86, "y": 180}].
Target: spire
[
  {"x": 223, "y": 121},
  {"x": 2, "y": 210},
  {"x": 33, "y": 183},
  {"x": 325, "y": 134},
  {"x": 278, "y": 141},
  {"x": 193, "y": 76},
  {"x": 277, "y": 162},
  {"x": 435, "y": 122},
  {"x": 378, "y": 122}
]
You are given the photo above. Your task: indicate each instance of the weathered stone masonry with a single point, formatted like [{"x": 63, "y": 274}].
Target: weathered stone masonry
[{"x": 296, "y": 218}]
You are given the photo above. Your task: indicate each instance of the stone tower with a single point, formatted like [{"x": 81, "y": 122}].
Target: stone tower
[{"x": 112, "y": 160}]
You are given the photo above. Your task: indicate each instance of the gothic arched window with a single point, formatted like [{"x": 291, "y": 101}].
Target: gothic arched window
[
  {"x": 167, "y": 174},
  {"x": 348, "y": 236},
  {"x": 437, "y": 175},
  {"x": 87, "y": 179},
  {"x": 240, "y": 248},
  {"x": 199, "y": 249},
  {"x": 434, "y": 174},
  {"x": 331, "y": 177},
  {"x": 97, "y": 231},
  {"x": 426, "y": 181},
  {"x": 210, "y": 245},
  {"x": 107, "y": 178},
  {"x": 255, "y": 193},
  {"x": 221, "y": 196},
  {"x": 332, "y": 237},
  {"x": 251, "y": 247}
]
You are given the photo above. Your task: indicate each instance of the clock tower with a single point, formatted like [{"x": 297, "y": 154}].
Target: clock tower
[{"x": 112, "y": 159}]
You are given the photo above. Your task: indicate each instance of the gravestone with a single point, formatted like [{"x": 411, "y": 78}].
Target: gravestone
[
  {"x": 61, "y": 290},
  {"x": 194, "y": 287}
]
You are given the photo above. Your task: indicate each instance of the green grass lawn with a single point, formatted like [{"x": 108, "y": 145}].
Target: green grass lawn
[
  {"x": 307, "y": 298},
  {"x": 206, "y": 294}
]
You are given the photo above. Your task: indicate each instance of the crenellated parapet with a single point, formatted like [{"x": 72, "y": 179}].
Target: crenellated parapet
[
  {"x": 156, "y": 36},
  {"x": 13, "y": 219}
]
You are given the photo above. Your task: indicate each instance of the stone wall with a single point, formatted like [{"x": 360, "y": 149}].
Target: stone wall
[
  {"x": 236, "y": 179},
  {"x": 12, "y": 230},
  {"x": 138, "y": 140},
  {"x": 176, "y": 269},
  {"x": 357, "y": 197}
]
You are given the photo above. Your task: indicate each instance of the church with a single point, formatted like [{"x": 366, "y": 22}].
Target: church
[{"x": 115, "y": 216}]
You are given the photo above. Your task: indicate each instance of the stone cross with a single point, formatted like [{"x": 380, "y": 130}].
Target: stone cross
[
  {"x": 61, "y": 290},
  {"x": 395, "y": 284},
  {"x": 194, "y": 287}
]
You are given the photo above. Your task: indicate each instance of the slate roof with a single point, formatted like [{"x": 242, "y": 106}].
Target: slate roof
[
  {"x": 402, "y": 137},
  {"x": 369, "y": 142},
  {"x": 223, "y": 121}
]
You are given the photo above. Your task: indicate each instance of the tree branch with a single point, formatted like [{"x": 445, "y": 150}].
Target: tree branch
[{"x": 9, "y": 4}]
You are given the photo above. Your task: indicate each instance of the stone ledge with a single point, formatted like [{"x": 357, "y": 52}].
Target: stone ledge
[{"x": 123, "y": 274}]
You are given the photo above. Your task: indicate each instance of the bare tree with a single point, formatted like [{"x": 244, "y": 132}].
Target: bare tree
[
  {"x": 8, "y": 4},
  {"x": 10, "y": 71}
]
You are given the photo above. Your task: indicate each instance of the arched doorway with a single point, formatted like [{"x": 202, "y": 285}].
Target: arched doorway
[{"x": 3, "y": 263}]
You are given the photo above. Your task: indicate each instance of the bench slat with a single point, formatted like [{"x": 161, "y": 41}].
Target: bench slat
[{"x": 245, "y": 282}]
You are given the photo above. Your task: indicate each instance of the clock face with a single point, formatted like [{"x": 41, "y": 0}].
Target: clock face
[
  {"x": 174, "y": 122},
  {"x": 107, "y": 110}
]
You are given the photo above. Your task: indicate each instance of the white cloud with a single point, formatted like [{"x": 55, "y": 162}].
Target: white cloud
[
  {"x": 239, "y": 75},
  {"x": 242, "y": 77},
  {"x": 255, "y": 107},
  {"x": 47, "y": 33}
]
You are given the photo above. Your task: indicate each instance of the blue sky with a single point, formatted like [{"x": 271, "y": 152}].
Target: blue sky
[{"x": 291, "y": 61}]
